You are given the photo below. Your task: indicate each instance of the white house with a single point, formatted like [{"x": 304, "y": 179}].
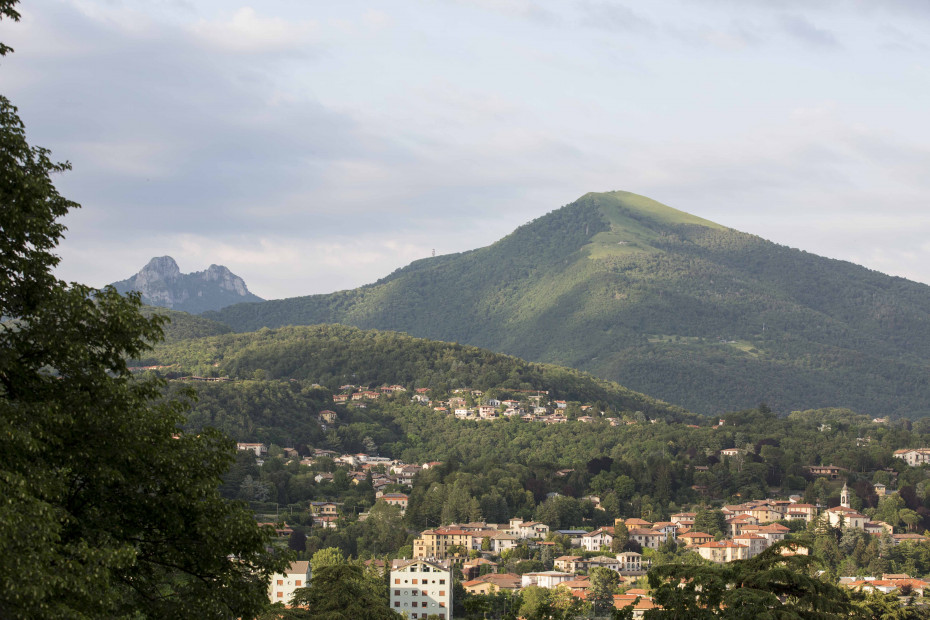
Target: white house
[
  {"x": 419, "y": 588},
  {"x": 546, "y": 579}
]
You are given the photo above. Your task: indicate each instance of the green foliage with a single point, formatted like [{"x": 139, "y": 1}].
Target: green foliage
[
  {"x": 332, "y": 355},
  {"x": 768, "y": 585},
  {"x": 184, "y": 326},
  {"x": 109, "y": 509},
  {"x": 344, "y": 591},
  {"x": 671, "y": 305}
]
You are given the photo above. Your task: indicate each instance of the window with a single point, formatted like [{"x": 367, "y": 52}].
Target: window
[
  {"x": 396, "y": 592},
  {"x": 442, "y": 582},
  {"x": 396, "y": 581},
  {"x": 280, "y": 594},
  {"x": 413, "y": 604},
  {"x": 441, "y": 604},
  {"x": 442, "y": 593},
  {"x": 280, "y": 582},
  {"x": 297, "y": 583},
  {"x": 396, "y": 603},
  {"x": 414, "y": 582}
]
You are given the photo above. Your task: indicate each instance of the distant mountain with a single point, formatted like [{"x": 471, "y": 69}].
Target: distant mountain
[
  {"x": 162, "y": 284},
  {"x": 663, "y": 302}
]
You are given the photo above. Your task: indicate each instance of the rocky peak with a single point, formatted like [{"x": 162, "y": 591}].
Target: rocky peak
[
  {"x": 162, "y": 284},
  {"x": 164, "y": 267}
]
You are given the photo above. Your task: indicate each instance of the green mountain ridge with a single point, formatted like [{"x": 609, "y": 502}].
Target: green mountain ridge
[
  {"x": 336, "y": 354},
  {"x": 661, "y": 301}
]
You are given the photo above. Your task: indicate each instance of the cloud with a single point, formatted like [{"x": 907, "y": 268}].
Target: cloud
[
  {"x": 804, "y": 31},
  {"x": 611, "y": 16},
  {"x": 246, "y": 31}
]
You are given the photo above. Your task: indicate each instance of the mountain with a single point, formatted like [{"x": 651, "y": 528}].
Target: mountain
[
  {"x": 661, "y": 301},
  {"x": 162, "y": 284}
]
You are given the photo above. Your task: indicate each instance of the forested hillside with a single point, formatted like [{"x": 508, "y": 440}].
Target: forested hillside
[
  {"x": 660, "y": 301},
  {"x": 333, "y": 355}
]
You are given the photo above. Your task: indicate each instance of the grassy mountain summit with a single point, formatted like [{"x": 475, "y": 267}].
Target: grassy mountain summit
[{"x": 661, "y": 301}]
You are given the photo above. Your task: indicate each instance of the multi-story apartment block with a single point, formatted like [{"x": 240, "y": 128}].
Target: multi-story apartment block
[
  {"x": 282, "y": 586},
  {"x": 419, "y": 589}
]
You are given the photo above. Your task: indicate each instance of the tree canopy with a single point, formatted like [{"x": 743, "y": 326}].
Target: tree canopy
[{"x": 108, "y": 509}]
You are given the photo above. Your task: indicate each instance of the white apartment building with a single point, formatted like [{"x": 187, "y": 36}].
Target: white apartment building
[
  {"x": 420, "y": 588},
  {"x": 282, "y": 586}
]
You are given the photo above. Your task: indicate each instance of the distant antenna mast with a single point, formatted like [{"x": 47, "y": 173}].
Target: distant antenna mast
[{"x": 434, "y": 252}]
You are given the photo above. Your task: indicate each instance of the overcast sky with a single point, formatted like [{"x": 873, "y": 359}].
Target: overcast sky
[{"x": 312, "y": 145}]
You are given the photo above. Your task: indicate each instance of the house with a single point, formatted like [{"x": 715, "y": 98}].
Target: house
[
  {"x": 395, "y": 499},
  {"x": 831, "y": 471},
  {"x": 773, "y": 532},
  {"x": 756, "y": 544},
  {"x": 907, "y": 538},
  {"x": 259, "y": 449},
  {"x": 419, "y": 589},
  {"x": 841, "y": 516},
  {"x": 693, "y": 539},
  {"x": 546, "y": 579},
  {"x": 721, "y": 551},
  {"x": 282, "y": 586},
  {"x": 604, "y": 562},
  {"x": 601, "y": 537},
  {"x": 735, "y": 524},
  {"x": 801, "y": 511},
  {"x": 531, "y": 529},
  {"x": 731, "y": 452},
  {"x": 471, "y": 568},
  {"x": 327, "y": 416},
  {"x": 570, "y": 563},
  {"x": 650, "y": 539},
  {"x": 493, "y": 582},
  {"x": 914, "y": 456},
  {"x": 640, "y": 602},
  {"x": 630, "y": 562}
]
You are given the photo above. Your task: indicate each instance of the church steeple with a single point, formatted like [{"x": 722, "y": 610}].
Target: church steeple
[{"x": 844, "y": 496}]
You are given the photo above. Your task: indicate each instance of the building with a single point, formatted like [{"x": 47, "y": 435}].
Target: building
[
  {"x": 437, "y": 543},
  {"x": 395, "y": 499},
  {"x": 601, "y": 537},
  {"x": 259, "y": 449},
  {"x": 546, "y": 579},
  {"x": 721, "y": 551},
  {"x": 282, "y": 586},
  {"x": 914, "y": 456},
  {"x": 419, "y": 589},
  {"x": 630, "y": 562},
  {"x": 493, "y": 582}
]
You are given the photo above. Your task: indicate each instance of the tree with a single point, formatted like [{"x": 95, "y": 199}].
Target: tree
[
  {"x": 344, "y": 591},
  {"x": 603, "y": 583},
  {"x": 621, "y": 538},
  {"x": 108, "y": 509},
  {"x": 748, "y": 588},
  {"x": 710, "y": 521}
]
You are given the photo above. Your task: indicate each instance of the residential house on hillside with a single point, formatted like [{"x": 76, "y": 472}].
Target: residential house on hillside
[
  {"x": 545, "y": 579},
  {"x": 721, "y": 551},
  {"x": 259, "y": 449},
  {"x": 914, "y": 456}
]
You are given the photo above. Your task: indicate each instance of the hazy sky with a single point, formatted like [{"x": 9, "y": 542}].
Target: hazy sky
[{"x": 315, "y": 145}]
